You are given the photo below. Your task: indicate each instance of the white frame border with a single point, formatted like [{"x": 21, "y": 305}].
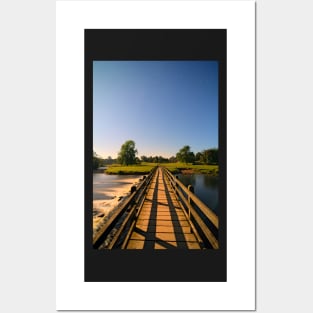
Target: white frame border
[{"x": 238, "y": 293}]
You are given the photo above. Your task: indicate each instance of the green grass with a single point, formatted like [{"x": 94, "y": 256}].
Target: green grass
[
  {"x": 136, "y": 169},
  {"x": 181, "y": 167},
  {"x": 145, "y": 168}
]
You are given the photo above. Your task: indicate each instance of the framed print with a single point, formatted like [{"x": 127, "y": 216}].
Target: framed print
[
  {"x": 160, "y": 87},
  {"x": 155, "y": 106}
]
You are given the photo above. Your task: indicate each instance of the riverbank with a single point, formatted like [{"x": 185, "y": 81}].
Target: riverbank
[
  {"x": 137, "y": 169},
  {"x": 175, "y": 168},
  {"x": 182, "y": 168}
]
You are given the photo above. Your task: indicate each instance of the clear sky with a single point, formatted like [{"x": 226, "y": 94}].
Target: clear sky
[{"x": 161, "y": 105}]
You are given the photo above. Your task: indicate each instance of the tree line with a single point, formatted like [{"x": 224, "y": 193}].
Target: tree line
[
  {"x": 128, "y": 155},
  {"x": 207, "y": 156}
]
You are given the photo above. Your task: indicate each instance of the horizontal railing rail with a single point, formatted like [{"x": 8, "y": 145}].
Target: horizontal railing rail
[
  {"x": 114, "y": 222},
  {"x": 200, "y": 214}
]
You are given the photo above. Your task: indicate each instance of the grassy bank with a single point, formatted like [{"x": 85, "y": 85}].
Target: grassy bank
[
  {"x": 137, "y": 169},
  {"x": 145, "y": 168},
  {"x": 192, "y": 168}
]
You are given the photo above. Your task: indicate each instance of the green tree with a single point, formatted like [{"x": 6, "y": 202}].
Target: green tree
[
  {"x": 213, "y": 156},
  {"x": 172, "y": 159},
  {"x": 144, "y": 158},
  {"x": 127, "y": 154},
  {"x": 95, "y": 161},
  {"x": 185, "y": 155},
  {"x": 210, "y": 156},
  {"x": 198, "y": 157}
]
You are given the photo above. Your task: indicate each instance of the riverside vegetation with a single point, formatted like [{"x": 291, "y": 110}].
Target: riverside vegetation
[
  {"x": 175, "y": 168},
  {"x": 185, "y": 161}
]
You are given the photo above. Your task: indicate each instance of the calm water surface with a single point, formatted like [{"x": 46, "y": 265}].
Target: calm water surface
[
  {"x": 108, "y": 189},
  {"x": 205, "y": 186}
]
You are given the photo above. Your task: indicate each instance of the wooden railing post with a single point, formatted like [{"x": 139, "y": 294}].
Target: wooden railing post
[
  {"x": 191, "y": 189},
  {"x": 176, "y": 184}
]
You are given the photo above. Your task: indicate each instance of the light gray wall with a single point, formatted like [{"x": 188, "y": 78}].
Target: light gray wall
[{"x": 284, "y": 156}]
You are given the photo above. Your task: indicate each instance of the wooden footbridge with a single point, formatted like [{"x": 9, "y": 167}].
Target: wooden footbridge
[{"x": 161, "y": 213}]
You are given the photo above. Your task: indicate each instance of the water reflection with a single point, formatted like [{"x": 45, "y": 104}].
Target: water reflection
[
  {"x": 210, "y": 182},
  {"x": 206, "y": 188}
]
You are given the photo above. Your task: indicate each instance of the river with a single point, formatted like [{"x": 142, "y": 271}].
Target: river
[
  {"x": 205, "y": 187},
  {"x": 108, "y": 192}
]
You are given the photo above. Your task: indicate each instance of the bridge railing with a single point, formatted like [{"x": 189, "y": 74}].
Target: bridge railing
[
  {"x": 113, "y": 229},
  {"x": 207, "y": 222}
]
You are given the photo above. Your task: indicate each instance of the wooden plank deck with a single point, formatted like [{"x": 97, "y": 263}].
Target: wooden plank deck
[{"x": 162, "y": 223}]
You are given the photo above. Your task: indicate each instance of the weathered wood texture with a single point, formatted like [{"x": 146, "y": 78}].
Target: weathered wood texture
[
  {"x": 191, "y": 202},
  {"x": 162, "y": 223}
]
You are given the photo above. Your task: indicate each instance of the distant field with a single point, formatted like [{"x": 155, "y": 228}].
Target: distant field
[
  {"x": 190, "y": 168},
  {"x": 136, "y": 169},
  {"x": 145, "y": 168}
]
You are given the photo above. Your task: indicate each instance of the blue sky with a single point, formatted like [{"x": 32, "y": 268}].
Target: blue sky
[{"x": 161, "y": 105}]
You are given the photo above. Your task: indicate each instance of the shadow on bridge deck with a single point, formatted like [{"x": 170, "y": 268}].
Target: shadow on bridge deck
[{"x": 162, "y": 223}]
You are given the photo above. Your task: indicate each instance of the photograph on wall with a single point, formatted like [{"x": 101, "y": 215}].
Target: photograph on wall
[{"x": 155, "y": 154}]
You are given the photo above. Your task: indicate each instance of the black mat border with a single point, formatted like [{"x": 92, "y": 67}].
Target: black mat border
[{"x": 159, "y": 265}]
